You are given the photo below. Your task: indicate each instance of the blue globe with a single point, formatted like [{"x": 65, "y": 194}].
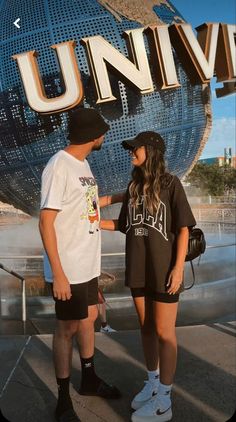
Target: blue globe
[{"x": 28, "y": 139}]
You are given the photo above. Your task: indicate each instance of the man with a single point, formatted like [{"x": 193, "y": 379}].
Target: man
[{"x": 69, "y": 226}]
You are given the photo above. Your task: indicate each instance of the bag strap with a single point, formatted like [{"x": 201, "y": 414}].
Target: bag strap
[
  {"x": 193, "y": 282},
  {"x": 191, "y": 263},
  {"x": 193, "y": 272}
]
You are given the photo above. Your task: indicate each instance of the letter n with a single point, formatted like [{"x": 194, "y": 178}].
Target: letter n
[{"x": 101, "y": 54}]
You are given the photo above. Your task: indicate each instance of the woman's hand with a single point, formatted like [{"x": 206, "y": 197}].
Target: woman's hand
[
  {"x": 175, "y": 280},
  {"x": 105, "y": 201},
  {"x": 176, "y": 275}
]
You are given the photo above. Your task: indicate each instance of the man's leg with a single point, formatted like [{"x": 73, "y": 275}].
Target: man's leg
[
  {"x": 91, "y": 384},
  {"x": 73, "y": 316},
  {"x": 85, "y": 333},
  {"x": 62, "y": 347},
  {"x": 85, "y": 341},
  {"x": 62, "y": 353}
]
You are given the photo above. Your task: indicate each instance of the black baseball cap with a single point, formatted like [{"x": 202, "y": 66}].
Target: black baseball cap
[
  {"x": 85, "y": 125},
  {"x": 146, "y": 138}
]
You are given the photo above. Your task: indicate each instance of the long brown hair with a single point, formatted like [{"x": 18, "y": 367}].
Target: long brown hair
[{"x": 147, "y": 179}]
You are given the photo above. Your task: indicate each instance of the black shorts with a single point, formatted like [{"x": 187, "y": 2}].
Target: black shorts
[
  {"x": 76, "y": 308},
  {"x": 157, "y": 297}
]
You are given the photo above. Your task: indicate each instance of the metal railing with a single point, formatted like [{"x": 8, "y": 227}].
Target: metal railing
[
  {"x": 220, "y": 215},
  {"x": 23, "y": 290},
  {"x": 40, "y": 257}
]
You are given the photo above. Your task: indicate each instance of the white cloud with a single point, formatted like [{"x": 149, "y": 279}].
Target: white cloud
[{"x": 222, "y": 136}]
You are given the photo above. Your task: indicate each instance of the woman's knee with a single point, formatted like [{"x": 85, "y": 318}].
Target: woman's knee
[
  {"x": 147, "y": 327},
  {"x": 165, "y": 334},
  {"x": 145, "y": 313}
]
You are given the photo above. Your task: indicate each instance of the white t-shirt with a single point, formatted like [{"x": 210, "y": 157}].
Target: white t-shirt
[{"x": 68, "y": 185}]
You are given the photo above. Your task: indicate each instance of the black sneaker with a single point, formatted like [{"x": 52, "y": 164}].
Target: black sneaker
[
  {"x": 103, "y": 390},
  {"x": 68, "y": 416}
]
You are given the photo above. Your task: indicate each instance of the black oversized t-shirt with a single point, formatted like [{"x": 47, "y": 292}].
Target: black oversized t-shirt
[{"x": 151, "y": 238}]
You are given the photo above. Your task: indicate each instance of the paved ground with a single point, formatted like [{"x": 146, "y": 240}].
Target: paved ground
[{"x": 205, "y": 386}]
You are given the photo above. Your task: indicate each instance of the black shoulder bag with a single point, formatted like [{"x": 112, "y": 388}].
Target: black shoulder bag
[{"x": 196, "y": 247}]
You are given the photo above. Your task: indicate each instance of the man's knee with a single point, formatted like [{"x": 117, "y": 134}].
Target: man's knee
[
  {"x": 92, "y": 316},
  {"x": 66, "y": 328},
  {"x": 92, "y": 313}
]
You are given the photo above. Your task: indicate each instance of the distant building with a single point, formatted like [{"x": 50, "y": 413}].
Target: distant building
[
  {"x": 221, "y": 161},
  {"x": 229, "y": 161},
  {"x": 209, "y": 161}
]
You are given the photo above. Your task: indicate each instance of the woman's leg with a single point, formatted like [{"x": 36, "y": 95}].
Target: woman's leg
[
  {"x": 165, "y": 319},
  {"x": 102, "y": 308},
  {"x": 150, "y": 348},
  {"x": 159, "y": 409},
  {"x": 102, "y": 313},
  {"x": 144, "y": 310}
]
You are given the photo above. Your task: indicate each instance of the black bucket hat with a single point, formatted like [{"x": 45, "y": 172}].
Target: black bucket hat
[
  {"x": 85, "y": 125},
  {"x": 146, "y": 138}
]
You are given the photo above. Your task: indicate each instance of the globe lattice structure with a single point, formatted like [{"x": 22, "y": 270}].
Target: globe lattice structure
[{"x": 28, "y": 139}]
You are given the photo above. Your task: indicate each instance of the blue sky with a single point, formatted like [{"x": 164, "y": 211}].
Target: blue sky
[{"x": 224, "y": 109}]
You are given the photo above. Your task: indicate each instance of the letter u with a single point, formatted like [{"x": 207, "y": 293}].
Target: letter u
[{"x": 33, "y": 84}]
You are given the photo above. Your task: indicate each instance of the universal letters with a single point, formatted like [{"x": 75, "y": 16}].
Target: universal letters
[{"x": 211, "y": 53}]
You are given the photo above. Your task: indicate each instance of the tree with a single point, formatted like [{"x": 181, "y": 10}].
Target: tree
[
  {"x": 230, "y": 179},
  {"x": 212, "y": 179}
]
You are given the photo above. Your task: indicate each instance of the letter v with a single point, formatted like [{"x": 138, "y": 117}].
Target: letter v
[{"x": 197, "y": 55}]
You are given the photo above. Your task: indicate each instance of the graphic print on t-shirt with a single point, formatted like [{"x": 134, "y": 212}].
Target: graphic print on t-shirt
[
  {"x": 92, "y": 208},
  {"x": 140, "y": 216},
  {"x": 87, "y": 181},
  {"x": 91, "y": 213}
]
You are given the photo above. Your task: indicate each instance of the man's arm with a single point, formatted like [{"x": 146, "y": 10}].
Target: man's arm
[{"x": 61, "y": 285}]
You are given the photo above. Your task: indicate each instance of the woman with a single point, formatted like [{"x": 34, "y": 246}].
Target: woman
[
  {"x": 156, "y": 218},
  {"x": 102, "y": 312}
]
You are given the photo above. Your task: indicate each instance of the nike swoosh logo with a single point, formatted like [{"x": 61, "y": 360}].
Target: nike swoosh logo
[{"x": 158, "y": 412}]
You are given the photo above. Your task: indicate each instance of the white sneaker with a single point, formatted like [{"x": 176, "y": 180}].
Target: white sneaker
[
  {"x": 107, "y": 329},
  {"x": 153, "y": 411},
  {"x": 149, "y": 390}
]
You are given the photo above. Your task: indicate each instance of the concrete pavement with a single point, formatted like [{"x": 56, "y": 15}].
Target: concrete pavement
[{"x": 204, "y": 390}]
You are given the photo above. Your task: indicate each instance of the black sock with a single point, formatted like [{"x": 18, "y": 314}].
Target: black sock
[
  {"x": 64, "y": 401},
  {"x": 104, "y": 324},
  {"x": 90, "y": 381}
]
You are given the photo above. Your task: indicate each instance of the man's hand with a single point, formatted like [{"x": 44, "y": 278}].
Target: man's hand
[
  {"x": 61, "y": 288},
  {"x": 175, "y": 280}
]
